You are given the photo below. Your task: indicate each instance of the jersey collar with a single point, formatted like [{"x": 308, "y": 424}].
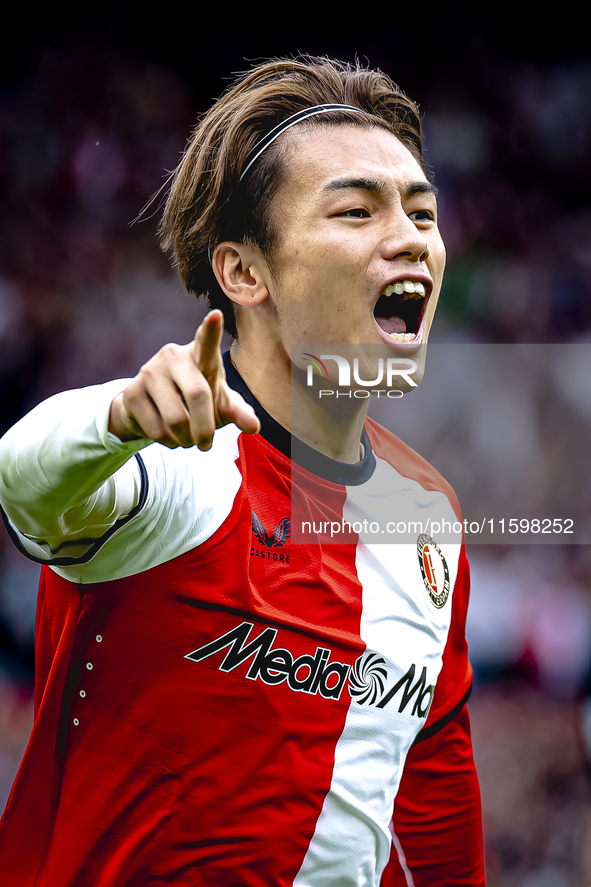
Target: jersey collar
[{"x": 298, "y": 451}]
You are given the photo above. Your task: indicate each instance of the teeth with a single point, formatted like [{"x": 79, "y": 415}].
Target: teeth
[
  {"x": 402, "y": 337},
  {"x": 407, "y": 288}
]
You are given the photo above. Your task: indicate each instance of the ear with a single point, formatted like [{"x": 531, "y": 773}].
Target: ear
[{"x": 241, "y": 272}]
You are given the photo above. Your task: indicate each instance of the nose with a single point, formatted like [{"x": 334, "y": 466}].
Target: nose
[
  {"x": 417, "y": 250},
  {"x": 405, "y": 242}
]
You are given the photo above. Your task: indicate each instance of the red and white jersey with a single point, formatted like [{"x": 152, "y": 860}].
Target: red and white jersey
[{"x": 219, "y": 705}]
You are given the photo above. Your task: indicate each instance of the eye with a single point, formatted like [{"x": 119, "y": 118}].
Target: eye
[
  {"x": 422, "y": 215},
  {"x": 357, "y": 213}
]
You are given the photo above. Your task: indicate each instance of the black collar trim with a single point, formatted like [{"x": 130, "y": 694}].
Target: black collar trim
[{"x": 298, "y": 451}]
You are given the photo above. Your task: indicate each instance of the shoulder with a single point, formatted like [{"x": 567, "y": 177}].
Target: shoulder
[{"x": 407, "y": 462}]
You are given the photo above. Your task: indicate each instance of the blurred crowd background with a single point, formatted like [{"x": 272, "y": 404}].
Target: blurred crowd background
[{"x": 94, "y": 112}]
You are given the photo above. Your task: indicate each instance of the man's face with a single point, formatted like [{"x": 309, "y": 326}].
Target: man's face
[{"x": 358, "y": 257}]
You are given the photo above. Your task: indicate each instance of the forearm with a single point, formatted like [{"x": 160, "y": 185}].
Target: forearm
[{"x": 62, "y": 474}]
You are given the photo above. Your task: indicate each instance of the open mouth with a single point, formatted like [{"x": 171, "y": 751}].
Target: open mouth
[{"x": 400, "y": 308}]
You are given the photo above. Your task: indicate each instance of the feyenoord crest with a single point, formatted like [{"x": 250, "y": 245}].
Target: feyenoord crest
[{"x": 433, "y": 570}]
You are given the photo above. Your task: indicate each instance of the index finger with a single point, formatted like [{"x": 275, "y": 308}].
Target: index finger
[{"x": 207, "y": 352}]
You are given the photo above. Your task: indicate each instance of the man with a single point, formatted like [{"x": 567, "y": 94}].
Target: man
[{"x": 215, "y": 704}]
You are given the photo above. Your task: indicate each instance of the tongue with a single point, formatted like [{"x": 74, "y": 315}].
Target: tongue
[{"x": 391, "y": 324}]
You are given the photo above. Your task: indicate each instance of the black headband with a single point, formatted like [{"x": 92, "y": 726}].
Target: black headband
[{"x": 286, "y": 124}]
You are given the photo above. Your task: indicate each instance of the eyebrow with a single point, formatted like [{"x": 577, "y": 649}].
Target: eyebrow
[
  {"x": 420, "y": 187},
  {"x": 378, "y": 187}
]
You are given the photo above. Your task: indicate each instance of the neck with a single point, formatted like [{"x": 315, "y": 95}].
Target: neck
[{"x": 330, "y": 425}]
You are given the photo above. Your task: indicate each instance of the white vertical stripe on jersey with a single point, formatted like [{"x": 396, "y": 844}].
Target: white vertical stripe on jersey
[{"x": 351, "y": 843}]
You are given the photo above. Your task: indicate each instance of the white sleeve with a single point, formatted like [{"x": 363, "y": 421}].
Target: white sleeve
[
  {"x": 75, "y": 498},
  {"x": 65, "y": 480}
]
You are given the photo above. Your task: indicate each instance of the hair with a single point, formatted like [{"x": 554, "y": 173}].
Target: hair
[{"x": 208, "y": 204}]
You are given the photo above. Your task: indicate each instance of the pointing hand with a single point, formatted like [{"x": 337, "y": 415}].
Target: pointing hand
[{"x": 180, "y": 396}]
